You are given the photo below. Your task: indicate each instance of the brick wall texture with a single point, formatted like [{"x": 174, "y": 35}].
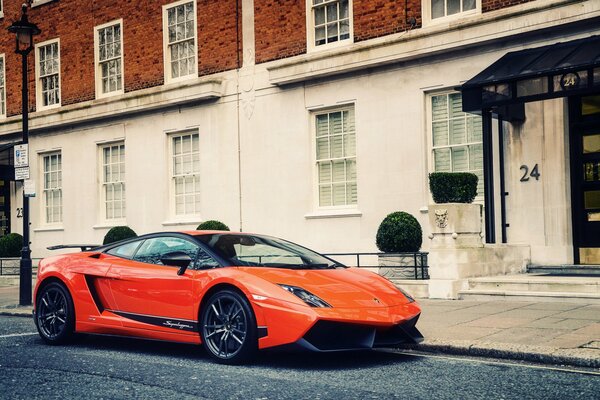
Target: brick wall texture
[
  {"x": 73, "y": 22},
  {"x": 491, "y": 5},
  {"x": 279, "y": 29},
  {"x": 280, "y": 32}
]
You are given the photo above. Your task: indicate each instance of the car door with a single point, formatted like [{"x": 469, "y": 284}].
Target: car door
[{"x": 150, "y": 295}]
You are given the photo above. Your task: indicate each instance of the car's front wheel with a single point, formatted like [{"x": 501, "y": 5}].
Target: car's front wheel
[
  {"x": 55, "y": 314},
  {"x": 228, "y": 328}
]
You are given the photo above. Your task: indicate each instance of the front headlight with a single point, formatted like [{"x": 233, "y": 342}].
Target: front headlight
[{"x": 306, "y": 296}]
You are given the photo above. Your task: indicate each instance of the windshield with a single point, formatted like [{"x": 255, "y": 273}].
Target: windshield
[{"x": 263, "y": 251}]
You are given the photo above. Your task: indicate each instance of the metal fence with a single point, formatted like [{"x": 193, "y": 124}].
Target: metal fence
[
  {"x": 11, "y": 266},
  {"x": 390, "y": 265}
]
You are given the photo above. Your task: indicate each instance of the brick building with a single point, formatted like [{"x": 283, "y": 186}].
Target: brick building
[{"x": 309, "y": 120}]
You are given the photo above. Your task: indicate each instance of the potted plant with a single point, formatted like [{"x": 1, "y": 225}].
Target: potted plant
[
  {"x": 212, "y": 225},
  {"x": 453, "y": 216},
  {"x": 400, "y": 237},
  {"x": 10, "y": 251},
  {"x": 117, "y": 233}
]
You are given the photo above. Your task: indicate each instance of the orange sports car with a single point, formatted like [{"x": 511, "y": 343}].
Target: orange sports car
[{"x": 235, "y": 293}]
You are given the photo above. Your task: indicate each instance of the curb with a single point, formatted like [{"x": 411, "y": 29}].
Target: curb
[
  {"x": 16, "y": 312},
  {"x": 579, "y": 357}
]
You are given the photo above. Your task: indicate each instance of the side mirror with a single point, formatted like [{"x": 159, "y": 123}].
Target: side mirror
[{"x": 177, "y": 259}]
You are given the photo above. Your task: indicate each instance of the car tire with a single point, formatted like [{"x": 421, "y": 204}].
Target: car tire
[
  {"x": 55, "y": 314},
  {"x": 228, "y": 328}
]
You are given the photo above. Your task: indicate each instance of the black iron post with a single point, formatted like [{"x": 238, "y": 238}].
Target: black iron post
[
  {"x": 488, "y": 177},
  {"x": 24, "y": 31},
  {"x": 26, "y": 264}
]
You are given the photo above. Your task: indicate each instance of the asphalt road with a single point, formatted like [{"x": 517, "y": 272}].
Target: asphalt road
[{"x": 106, "y": 368}]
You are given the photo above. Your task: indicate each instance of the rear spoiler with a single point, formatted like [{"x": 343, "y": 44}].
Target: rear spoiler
[{"x": 83, "y": 247}]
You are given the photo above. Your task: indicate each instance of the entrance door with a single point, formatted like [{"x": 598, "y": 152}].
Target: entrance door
[
  {"x": 584, "y": 115},
  {"x": 4, "y": 207}
]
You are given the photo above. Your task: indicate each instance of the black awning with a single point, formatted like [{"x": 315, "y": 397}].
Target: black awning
[{"x": 547, "y": 72}]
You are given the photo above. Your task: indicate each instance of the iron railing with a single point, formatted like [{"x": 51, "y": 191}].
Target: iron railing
[
  {"x": 414, "y": 265},
  {"x": 11, "y": 266}
]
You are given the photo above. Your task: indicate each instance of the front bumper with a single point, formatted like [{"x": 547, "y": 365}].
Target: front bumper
[{"x": 335, "y": 336}]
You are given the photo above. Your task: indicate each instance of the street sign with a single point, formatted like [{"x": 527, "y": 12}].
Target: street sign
[
  {"x": 21, "y": 173},
  {"x": 21, "y": 155},
  {"x": 29, "y": 188}
]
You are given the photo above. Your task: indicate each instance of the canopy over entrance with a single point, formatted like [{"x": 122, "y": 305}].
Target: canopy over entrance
[
  {"x": 569, "y": 69},
  {"x": 557, "y": 70}
]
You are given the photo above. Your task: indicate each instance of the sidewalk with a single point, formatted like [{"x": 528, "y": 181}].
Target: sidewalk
[{"x": 545, "y": 332}]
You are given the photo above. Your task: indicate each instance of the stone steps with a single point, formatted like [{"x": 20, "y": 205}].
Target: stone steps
[{"x": 529, "y": 287}]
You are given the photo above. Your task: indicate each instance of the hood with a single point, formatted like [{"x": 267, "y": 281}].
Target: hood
[{"x": 342, "y": 288}]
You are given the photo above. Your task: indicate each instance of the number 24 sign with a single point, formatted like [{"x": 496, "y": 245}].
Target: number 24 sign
[{"x": 535, "y": 173}]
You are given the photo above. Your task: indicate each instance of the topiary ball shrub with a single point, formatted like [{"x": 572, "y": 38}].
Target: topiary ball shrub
[
  {"x": 453, "y": 187},
  {"x": 399, "y": 232},
  {"x": 11, "y": 245},
  {"x": 118, "y": 233},
  {"x": 212, "y": 225}
]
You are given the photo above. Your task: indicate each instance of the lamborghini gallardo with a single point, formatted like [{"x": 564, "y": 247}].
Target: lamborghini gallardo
[{"x": 234, "y": 293}]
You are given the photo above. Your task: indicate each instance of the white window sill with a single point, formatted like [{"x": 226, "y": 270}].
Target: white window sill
[
  {"x": 46, "y": 108},
  {"x": 111, "y": 224},
  {"x": 36, "y": 3},
  {"x": 339, "y": 213},
  {"x": 181, "y": 222},
  {"x": 50, "y": 228}
]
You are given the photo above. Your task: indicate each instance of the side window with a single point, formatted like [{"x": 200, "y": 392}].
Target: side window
[
  {"x": 126, "y": 250},
  {"x": 152, "y": 250},
  {"x": 205, "y": 261}
]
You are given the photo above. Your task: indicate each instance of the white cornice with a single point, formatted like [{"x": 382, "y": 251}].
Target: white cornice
[{"x": 127, "y": 104}]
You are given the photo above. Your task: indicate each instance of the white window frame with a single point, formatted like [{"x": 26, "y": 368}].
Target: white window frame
[
  {"x": 325, "y": 210},
  {"x": 166, "y": 48},
  {"x": 3, "y": 88},
  {"x": 98, "y": 66},
  {"x": 103, "y": 184},
  {"x": 428, "y": 20},
  {"x": 310, "y": 28},
  {"x": 44, "y": 190},
  {"x": 38, "y": 85},
  {"x": 196, "y": 214},
  {"x": 431, "y": 147}
]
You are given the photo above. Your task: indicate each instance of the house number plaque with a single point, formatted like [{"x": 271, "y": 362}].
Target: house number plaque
[{"x": 535, "y": 173}]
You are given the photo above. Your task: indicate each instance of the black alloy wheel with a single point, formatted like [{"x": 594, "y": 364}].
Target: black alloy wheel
[
  {"x": 55, "y": 314},
  {"x": 229, "y": 328}
]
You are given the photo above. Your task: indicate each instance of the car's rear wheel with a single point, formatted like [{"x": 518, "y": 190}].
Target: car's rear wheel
[
  {"x": 229, "y": 328},
  {"x": 55, "y": 314}
]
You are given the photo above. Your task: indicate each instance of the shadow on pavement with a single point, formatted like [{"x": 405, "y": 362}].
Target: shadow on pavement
[{"x": 300, "y": 360}]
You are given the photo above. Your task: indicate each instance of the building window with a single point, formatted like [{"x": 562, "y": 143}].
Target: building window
[
  {"x": 113, "y": 180},
  {"x": 186, "y": 173},
  {"x": 330, "y": 21},
  {"x": 445, "y": 8},
  {"x": 52, "y": 172},
  {"x": 336, "y": 158},
  {"x": 456, "y": 137},
  {"x": 2, "y": 88},
  {"x": 109, "y": 59},
  {"x": 179, "y": 20},
  {"x": 48, "y": 74}
]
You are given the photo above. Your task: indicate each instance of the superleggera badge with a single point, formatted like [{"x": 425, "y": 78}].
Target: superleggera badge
[
  {"x": 177, "y": 325},
  {"x": 376, "y": 300}
]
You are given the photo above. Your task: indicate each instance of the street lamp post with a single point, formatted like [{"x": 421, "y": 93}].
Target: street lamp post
[{"x": 24, "y": 31}]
